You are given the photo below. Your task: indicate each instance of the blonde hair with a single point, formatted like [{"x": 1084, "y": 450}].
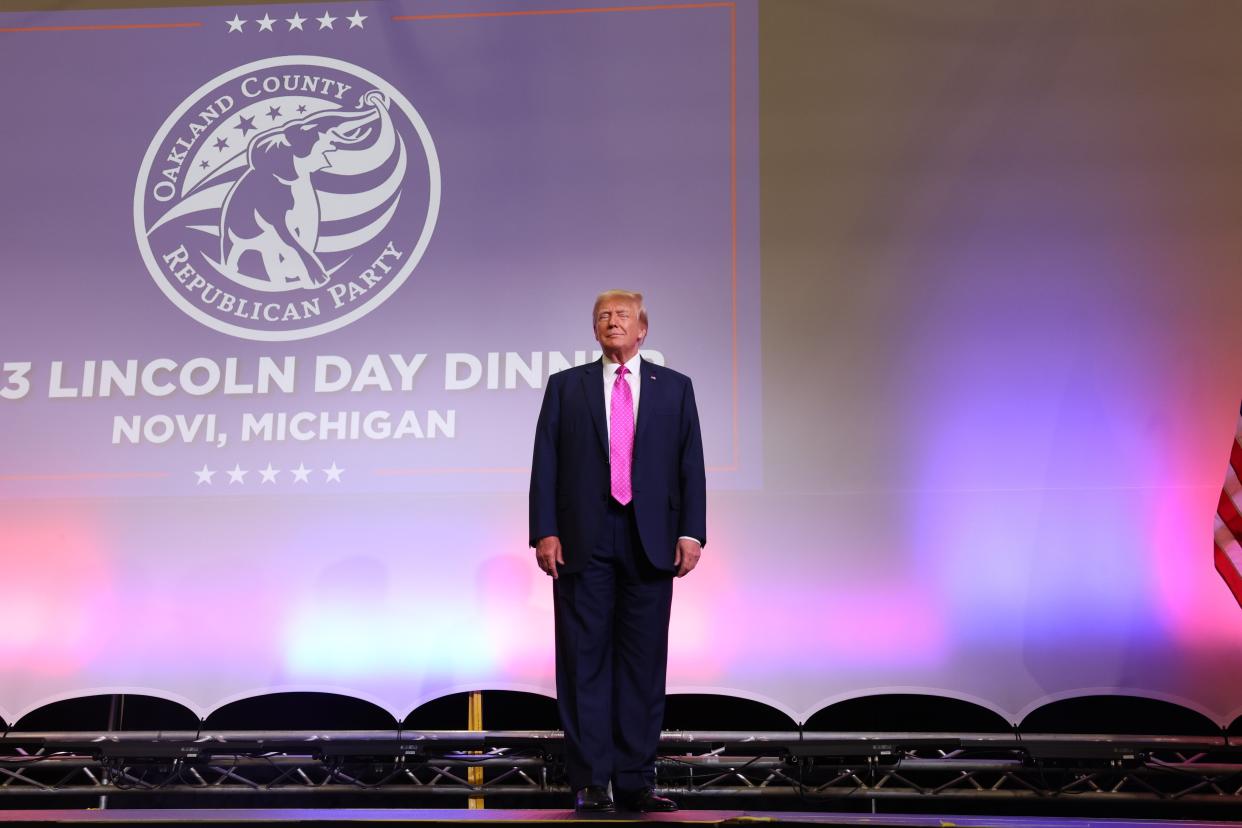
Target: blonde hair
[{"x": 623, "y": 296}]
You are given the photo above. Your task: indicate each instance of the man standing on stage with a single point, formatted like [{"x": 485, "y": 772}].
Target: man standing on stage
[{"x": 618, "y": 508}]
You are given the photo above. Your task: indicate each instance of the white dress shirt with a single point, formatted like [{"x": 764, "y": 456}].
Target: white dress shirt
[{"x": 634, "y": 378}]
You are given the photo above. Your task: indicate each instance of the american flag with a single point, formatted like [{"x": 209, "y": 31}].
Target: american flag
[{"x": 1228, "y": 535}]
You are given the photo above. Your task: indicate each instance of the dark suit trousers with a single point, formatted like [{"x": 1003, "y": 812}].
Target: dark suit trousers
[{"x": 611, "y": 659}]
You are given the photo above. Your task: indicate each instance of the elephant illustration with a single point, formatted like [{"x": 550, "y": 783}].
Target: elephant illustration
[{"x": 273, "y": 208}]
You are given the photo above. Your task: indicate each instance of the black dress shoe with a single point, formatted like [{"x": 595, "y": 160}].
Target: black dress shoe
[
  {"x": 647, "y": 801},
  {"x": 594, "y": 799}
]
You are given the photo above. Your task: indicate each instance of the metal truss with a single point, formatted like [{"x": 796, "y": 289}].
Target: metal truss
[{"x": 698, "y": 765}]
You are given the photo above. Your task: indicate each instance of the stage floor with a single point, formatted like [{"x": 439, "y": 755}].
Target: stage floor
[{"x": 345, "y": 816}]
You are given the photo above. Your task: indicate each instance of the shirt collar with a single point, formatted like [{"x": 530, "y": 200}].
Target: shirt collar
[{"x": 610, "y": 367}]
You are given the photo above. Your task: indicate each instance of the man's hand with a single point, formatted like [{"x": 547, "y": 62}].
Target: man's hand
[
  {"x": 548, "y": 554},
  {"x": 687, "y": 556}
]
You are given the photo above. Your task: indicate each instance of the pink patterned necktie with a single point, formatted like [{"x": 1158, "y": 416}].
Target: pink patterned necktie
[{"x": 621, "y": 437}]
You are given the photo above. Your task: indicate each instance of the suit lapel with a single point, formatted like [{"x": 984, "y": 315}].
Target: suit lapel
[
  {"x": 646, "y": 401},
  {"x": 593, "y": 387}
]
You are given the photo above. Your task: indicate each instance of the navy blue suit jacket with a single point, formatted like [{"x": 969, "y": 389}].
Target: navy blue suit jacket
[{"x": 570, "y": 481}]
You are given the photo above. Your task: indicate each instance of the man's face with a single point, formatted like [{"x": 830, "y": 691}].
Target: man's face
[{"x": 617, "y": 328}]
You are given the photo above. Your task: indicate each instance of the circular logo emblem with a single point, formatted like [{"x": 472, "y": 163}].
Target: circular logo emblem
[{"x": 287, "y": 198}]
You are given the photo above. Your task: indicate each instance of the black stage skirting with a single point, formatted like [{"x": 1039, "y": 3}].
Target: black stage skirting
[{"x": 347, "y": 816}]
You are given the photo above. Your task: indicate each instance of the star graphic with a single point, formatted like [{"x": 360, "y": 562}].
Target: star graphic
[
  {"x": 302, "y": 109},
  {"x": 221, "y": 144},
  {"x": 265, "y": 23},
  {"x": 246, "y": 124},
  {"x": 295, "y": 22},
  {"x": 326, "y": 21},
  {"x": 355, "y": 22},
  {"x": 203, "y": 164},
  {"x": 235, "y": 25},
  {"x": 301, "y": 474},
  {"x": 269, "y": 474},
  {"x": 204, "y": 475},
  {"x": 333, "y": 473},
  {"x": 237, "y": 474},
  {"x": 273, "y": 112}
]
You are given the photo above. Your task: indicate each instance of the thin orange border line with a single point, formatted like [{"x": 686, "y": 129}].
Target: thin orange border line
[
  {"x": 544, "y": 12},
  {"x": 733, "y": 220},
  {"x": 452, "y": 470},
  {"x": 732, "y": 7},
  {"x": 101, "y": 27},
  {"x": 82, "y": 476}
]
